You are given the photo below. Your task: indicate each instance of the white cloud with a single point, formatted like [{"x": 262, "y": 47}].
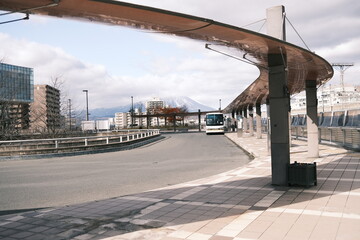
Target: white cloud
[
  {"x": 205, "y": 78},
  {"x": 345, "y": 52}
]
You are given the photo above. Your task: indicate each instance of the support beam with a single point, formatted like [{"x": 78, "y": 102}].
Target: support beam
[
  {"x": 279, "y": 98},
  {"x": 199, "y": 119},
  {"x": 275, "y": 22},
  {"x": 251, "y": 121},
  {"x": 279, "y": 118},
  {"x": 312, "y": 119},
  {"x": 174, "y": 122},
  {"x": 258, "y": 120},
  {"x": 245, "y": 120},
  {"x": 268, "y": 140},
  {"x": 240, "y": 123}
]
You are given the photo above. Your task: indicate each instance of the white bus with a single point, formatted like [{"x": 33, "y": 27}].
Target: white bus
[{"x": 215, "y": 123}]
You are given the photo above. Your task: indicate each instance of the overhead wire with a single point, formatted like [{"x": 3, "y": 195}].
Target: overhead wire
[
  {"x": 264, "y": 19},
  {"x": 237, "y": 58},
  {"x": 297, "y": 33}
]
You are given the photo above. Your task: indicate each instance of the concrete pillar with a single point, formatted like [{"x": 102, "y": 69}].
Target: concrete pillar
[
  {"x": 268, "y": 136},
  {"x": 232, "y": 122},
  {"x": 199, "y": 119},
  {"x": 279, "y": 99},
  {"x": 289, "y": 125},
  {"x": 275, "y": 22},
  {"x": 245, "y": 120},
  {"x": 279, "y": 118},
  {"x": 251, "y": 121},
  {"x": 240, "y": 123},
  {"x": 312, "y": 119},
  {"x": 258, "y": 120},
  {"x": 174, "y": 122}
]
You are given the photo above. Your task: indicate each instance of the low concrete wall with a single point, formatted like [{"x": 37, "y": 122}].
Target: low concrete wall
[
  {"x": 85, "y": 151},
  {"x": 68, "y": 145}
]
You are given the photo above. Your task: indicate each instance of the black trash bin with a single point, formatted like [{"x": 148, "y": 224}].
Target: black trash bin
[{"x": 302, "y": 174}]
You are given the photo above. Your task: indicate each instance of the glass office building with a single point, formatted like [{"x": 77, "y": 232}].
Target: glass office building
[
  {"x": 16, "y": 94},
  {"x": 16, "y": 83}
]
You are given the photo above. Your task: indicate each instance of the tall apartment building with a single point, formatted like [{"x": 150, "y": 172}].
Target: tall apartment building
[
  {"x": 152, "y": 107},
  {"x": 16, "y": 93},
  {"x": 121, "y": 120},
  {"x": 45, "y": 110},
  {"x": 154, "y": 104}
]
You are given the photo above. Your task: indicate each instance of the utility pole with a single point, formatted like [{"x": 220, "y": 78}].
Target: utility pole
[{"x": 342, "y": 68}]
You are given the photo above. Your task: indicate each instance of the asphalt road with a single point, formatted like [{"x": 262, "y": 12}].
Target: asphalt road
[{"x": 28, "y": 184}]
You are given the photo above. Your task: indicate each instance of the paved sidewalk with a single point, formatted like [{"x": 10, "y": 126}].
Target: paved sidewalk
[{"x": 236, "y": 205}]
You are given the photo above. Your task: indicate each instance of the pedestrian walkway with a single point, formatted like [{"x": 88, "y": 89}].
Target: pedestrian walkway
[{"x": 237, "y": 205}]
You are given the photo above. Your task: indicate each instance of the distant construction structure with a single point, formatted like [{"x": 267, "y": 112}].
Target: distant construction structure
[{"x": 342, "y": 68}]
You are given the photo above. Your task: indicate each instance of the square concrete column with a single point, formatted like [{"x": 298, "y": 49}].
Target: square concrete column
[
  {"x": 240, "y": 123},
  {"x": 268, "y": 136},
  {"x": 275, "y": 22},
  {"x": 279, "y": 118},
  {"x": 245, "y": 120},
  {"x": 258, "y": 120},
  {"x": 251, "y": 121},
  {"x": 312, "y": 119}
]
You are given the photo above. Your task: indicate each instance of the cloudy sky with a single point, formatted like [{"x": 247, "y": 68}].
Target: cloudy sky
[{"x": 115, "y": 63}]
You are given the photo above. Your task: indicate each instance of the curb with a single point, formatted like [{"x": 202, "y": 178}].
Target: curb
[{"x": 129, "y": 146}]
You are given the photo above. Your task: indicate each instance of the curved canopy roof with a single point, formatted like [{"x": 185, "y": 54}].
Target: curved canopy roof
[{"x": 302, "y": 64}]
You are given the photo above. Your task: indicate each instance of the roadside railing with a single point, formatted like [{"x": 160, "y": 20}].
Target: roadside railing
[
  {"x": 343, "y": 136},
  {"x": 55, "y": 145}
]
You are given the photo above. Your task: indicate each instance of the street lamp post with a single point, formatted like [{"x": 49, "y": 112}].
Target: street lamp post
[
  {"x": 219, "y": 104},
  {"x": 87, "y": 104}
]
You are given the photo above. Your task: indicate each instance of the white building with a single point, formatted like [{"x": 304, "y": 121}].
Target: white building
[
  {"x": 154, "y": 104},
  {"x": 123, "y": 120},
  {"x": 330, "y": 98},
  {"x": 88, "y": 125},
  {"x": 103, "y": 125}
]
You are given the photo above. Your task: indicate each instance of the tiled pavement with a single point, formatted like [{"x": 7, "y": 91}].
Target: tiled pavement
[{"x": 236, "y": 205}]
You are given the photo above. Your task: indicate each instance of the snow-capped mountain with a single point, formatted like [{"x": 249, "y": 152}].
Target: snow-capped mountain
[{"x": 191, "y": 105}]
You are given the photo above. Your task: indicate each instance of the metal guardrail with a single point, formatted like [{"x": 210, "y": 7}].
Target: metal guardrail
[
  {"x": 36, "y": 146},
  {"x": 336, "y": 127},
  {"x": 343, "y": 136},
  {"x": 340, "y": 127}
]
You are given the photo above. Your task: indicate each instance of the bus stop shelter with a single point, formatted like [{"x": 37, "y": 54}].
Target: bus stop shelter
[{"x": 285, "y": 68}]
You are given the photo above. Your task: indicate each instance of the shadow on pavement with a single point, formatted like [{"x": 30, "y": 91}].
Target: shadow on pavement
[{"x": 243, "y": 190}]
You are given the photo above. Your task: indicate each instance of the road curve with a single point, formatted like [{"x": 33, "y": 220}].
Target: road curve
[{"x": 28, "y": 184}]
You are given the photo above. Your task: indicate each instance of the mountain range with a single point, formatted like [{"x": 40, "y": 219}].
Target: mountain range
[{"x": 191, "y": 105}]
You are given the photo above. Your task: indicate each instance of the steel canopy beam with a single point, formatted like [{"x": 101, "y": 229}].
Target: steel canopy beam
[{"x": 301, "y": 63}]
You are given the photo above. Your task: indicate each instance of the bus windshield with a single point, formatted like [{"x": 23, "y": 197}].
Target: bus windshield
[{"x": 214, "y": 120}]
